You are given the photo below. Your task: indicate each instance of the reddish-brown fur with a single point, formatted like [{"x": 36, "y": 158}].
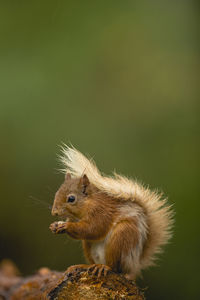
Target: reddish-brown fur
[
  {"x": 91, "y": 219},
  {"x": 123, "y": 237},
  {"x": 92, "y": 206},
  {"x": 87, "y": 250}
]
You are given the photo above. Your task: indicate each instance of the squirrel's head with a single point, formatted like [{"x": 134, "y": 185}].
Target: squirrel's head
[{"x": 71, "y": 196}]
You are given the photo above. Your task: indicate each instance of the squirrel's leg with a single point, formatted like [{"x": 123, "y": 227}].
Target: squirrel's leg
[
  {"x": 86, "y": 248},
  {"x": 87, "y": 251},
  {"x": 95, "y": 269},
  {"x": 121, "y": 246}
]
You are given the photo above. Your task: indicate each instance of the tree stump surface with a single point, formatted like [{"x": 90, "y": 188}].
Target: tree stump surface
[{"x": 75, "y": 283}]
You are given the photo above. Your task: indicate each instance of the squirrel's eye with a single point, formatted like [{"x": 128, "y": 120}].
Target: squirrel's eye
[{"x": 71, "y": 198}]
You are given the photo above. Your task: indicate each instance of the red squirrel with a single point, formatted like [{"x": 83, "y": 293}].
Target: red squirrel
[{"x": 121, "y": 223}]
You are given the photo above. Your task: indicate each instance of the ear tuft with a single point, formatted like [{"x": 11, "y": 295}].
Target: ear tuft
[
  {"x": 84, "y": 182},
  {"x": 68, "y": 176}
]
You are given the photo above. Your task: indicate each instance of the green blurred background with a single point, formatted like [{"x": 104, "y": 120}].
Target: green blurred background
[{"x": 117, "y": 79}]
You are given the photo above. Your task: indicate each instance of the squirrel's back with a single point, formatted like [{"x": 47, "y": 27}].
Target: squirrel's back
[{"x": 158, "y": 215}]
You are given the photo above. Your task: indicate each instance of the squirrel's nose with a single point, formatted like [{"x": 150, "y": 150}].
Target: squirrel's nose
[{"x": 54, "y": 212}]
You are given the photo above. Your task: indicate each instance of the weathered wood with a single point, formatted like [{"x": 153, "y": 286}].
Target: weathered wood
[{"x": 75, "y": 283}]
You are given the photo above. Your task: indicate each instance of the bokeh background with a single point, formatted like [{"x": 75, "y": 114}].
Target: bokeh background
[{"x": 119, "y": 80}]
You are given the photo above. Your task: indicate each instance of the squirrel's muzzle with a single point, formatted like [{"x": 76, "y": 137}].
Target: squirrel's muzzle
[{"x": 54, "y": 211}]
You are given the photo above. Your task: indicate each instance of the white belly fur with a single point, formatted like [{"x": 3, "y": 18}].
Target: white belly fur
[{"x": 98, "y": 252}]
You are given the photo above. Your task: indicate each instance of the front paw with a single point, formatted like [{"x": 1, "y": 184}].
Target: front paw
[{"x": 58, "y": 227}]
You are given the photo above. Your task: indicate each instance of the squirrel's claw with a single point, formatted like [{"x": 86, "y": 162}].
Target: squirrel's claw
[{"x": 99, "y": 270}]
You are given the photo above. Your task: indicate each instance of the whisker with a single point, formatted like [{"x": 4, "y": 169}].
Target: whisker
[
  {"x": 40, "y": 202},
  {"x": 49, "y": 188}
]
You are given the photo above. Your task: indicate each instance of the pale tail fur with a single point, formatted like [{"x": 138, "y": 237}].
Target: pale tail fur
[{"x": 159, "y": 215}]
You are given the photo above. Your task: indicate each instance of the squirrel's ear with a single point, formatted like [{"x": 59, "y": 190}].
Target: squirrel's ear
[
  {"x": 67, "y": 176},
  {"x": 84, "y": 182}
]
